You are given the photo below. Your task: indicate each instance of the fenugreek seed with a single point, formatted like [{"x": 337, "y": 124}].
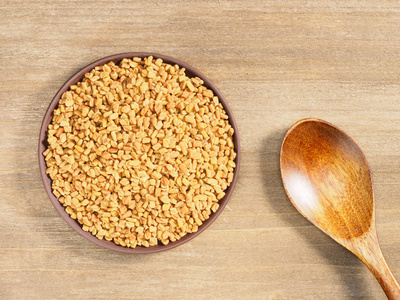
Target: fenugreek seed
[
  {"x": 181, "y": 222},
  {"x": 166, "y": 207},
  {"x": 220, "y": 195},
  {"x": 79, "y": 148},
  {"x": 165, "y": 235},
  {"x": 190, "y": 119},
  {"x": 212, "y": 181},
  {"x": 113, "y": 116},
  {"x": 124, "y": 181},
  {"x": 63, "y": 137},
  {"x": 190, "y": 85},
  {"x": 134, "y": 163},
  {"x": 199, "y": 198},
  {"x": 130, "y": 224},
  {"x": 69, "y": 102},
  {"x": 85, "y": 111},
  {"x": 156, "y": 175},
  {"x": 215, "y": 207},
  {"x": 230, "y": 177},
  {"x": 165, "y": 199}
]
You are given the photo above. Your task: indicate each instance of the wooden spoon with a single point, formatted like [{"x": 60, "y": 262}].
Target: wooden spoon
[{"x": 328, "y": 180}]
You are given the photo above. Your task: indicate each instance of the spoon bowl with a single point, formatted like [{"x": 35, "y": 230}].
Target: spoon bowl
[{"x": 328, "y": 180}]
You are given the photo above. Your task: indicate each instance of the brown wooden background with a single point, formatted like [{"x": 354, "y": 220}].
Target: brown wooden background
[{"x": 276, "y": 61}]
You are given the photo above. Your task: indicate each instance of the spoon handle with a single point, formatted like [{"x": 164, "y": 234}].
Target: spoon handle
[{"x": 371, "y": 255}]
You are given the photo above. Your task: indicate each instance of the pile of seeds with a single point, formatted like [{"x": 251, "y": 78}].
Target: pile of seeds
[{"x": 139, "y": 153}]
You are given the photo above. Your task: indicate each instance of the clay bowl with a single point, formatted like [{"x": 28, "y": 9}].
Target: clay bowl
[{"x": 191, "y": 72}]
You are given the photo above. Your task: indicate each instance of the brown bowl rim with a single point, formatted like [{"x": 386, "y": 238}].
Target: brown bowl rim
[{"x": 191, "y": 72}]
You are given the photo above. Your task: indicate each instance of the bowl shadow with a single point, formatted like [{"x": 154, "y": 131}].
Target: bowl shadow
[{"x": 333, "y": 253}]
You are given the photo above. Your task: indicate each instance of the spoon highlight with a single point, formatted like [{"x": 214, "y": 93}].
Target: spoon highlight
[{"x": 327, "y": 178}]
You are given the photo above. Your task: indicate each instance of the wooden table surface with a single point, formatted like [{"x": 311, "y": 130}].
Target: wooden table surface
[{"x": 276, "y": 61}]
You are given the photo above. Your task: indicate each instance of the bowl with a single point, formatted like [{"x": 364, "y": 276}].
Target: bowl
[{"x": 190, "y": 72}]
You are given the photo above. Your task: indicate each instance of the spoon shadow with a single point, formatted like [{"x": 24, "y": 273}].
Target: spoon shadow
[{"x": 346, "y": 264}]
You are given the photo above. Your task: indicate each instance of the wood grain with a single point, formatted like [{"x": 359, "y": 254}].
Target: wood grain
[{"x": 276, "y": 62}]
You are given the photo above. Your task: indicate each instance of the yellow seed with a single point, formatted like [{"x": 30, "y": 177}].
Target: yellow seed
[
  {"x": 190, "y": 119},
  {"x": 190, "y": 85},
  {"x": 124, "y": 181},
  {"x": 165, "y": 199},
  {"x": 181, "y": 222},
  {"x": 212, "y": 181},
  {"x": 79, "y": 148},
  {"x": 199, "y": 198},
  {"x": 69, "y": 102},
  {"x": 63, "y": 137},
  {"x": 113, "y": 116},
  {"x": 134, "y": 163},
  {"x": 156, "y": 175},
  {"x": 85, "y": 111}
]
